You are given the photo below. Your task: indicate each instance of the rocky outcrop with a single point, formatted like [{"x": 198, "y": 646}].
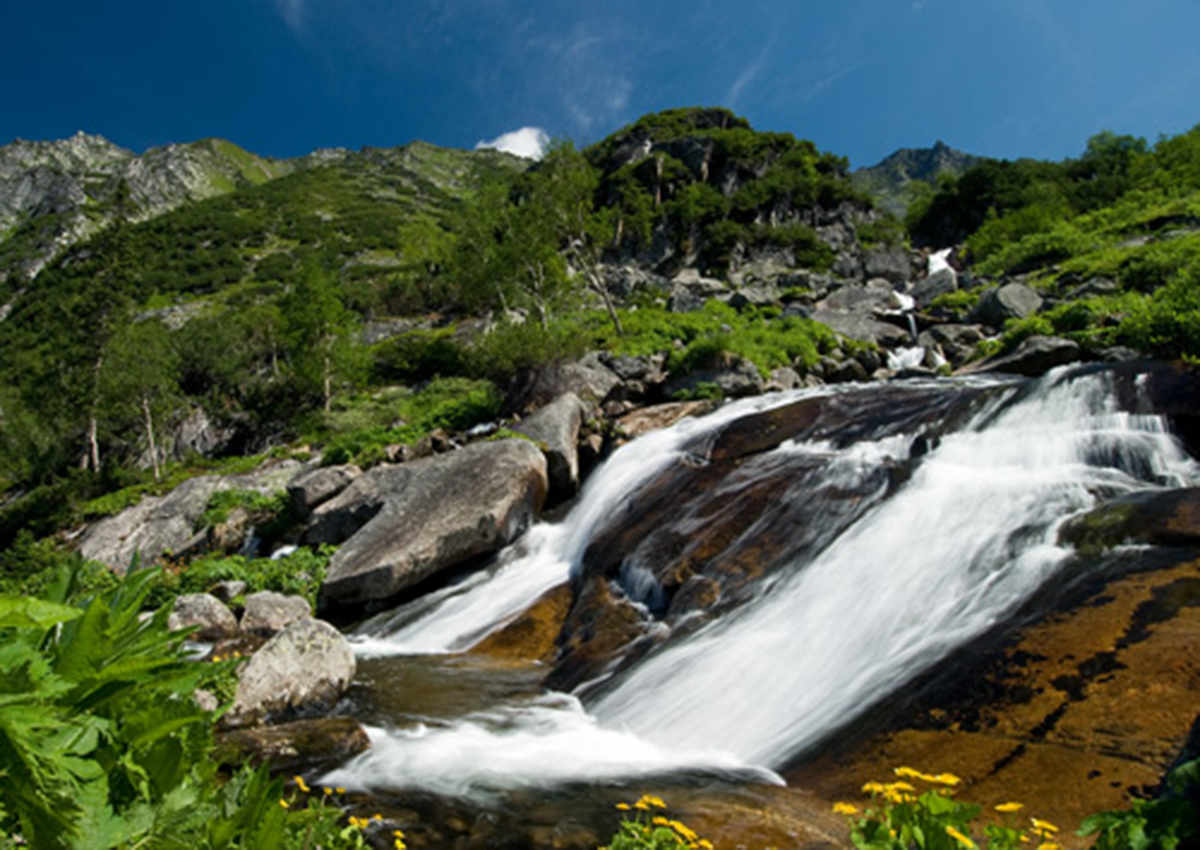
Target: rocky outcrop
[
  {"x": 555, "y": 429},
  {"x": 314, "y": 488},
  {"x": 412, "y": 521},
  {"x": 168, "y": 524},
  {"x": 71, "y": 187},
  {"x": 302, "y": 671}
]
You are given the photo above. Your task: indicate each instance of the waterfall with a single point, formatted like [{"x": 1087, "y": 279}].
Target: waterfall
[
  {"x": 458, "y": 617},
  {"x": 968, "y": 538}
]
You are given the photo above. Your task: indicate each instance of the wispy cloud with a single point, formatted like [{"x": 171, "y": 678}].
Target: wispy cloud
[
  {"x": 748, "y": 75},
  {"x": 293, "y": 12},
  {"x": 527, "y": 142}
]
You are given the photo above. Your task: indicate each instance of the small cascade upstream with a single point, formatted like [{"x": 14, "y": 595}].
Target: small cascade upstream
[{"x": 958, "y": 546}]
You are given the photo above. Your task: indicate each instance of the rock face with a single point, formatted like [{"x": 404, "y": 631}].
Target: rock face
[
  {"x": 161, "y": 524},
  {"x": 556, "y": 430},
  {"x": 303, "y": 670},
  {"x": 412, "y": 521},
  {"x": 74, "y": 179}
]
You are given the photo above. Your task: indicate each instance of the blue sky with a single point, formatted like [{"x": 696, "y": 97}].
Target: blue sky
[{"x": 1005, "y": 78}]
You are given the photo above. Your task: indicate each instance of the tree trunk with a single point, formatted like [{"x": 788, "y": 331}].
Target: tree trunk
[
  {"x": 150, "y": 437},
  {"x": 93, "y": 438}
]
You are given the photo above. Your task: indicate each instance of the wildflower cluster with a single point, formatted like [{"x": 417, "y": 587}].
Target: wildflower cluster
[
  {"x": 902, "y": 817},
  {"x": 647, "y": 827},
  {"x": 324, "y": 816}
]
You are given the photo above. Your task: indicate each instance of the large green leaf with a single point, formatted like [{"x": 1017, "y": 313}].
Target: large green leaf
[{"x": 31, "y": 613}]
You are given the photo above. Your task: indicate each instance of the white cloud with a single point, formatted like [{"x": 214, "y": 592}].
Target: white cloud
[
  {"x": 528, "y": 142},
  {"x": 293, "y": 12}
]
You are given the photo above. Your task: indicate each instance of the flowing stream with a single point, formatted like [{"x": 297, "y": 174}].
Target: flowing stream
[{"x": 955, "y": 549}]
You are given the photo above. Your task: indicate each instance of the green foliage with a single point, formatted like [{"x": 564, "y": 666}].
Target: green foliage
[
  {"x": 1163, "y": 823},
  {"x": 361, "y": 429},
  {"x": 646, "y": 827},
  {"x": 420, "y": 355},
  {"x": 960, "y": 302},
  {"x": 298, "y": 574},
  {"x": 260, "y": 506},
  {"x": 104, "y": 747},
  {"x": 901, "y": 817}
]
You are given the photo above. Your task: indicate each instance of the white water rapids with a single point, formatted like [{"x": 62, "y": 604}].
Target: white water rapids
[{"x": 962, "y": 544}]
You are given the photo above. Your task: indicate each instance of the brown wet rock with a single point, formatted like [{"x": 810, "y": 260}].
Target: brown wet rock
[
  {"x": 843, "y": 417},
  {"x": 603, "y": 624},
  {"x": 1072, "y": 715},
  {"x": 1170, "y": 518},
  {"x": 534, "y": 634},
  {"x": 303, "y": 745},
  {"x": 660, "y": 416}
]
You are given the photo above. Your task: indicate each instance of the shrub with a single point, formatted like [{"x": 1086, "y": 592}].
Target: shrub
[{"x": 103, "y": 745}]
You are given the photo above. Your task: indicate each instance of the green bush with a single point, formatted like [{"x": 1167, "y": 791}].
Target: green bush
[
  {"x": 299, "y": 574},
  {"x": 103, "y": 745}
]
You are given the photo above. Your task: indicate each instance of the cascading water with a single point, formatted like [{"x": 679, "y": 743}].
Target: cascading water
[
  {"x": 954, "y": 550},
  {"x": 460, "y": 616}
]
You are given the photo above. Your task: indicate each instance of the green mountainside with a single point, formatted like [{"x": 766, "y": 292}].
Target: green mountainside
[
  {"x": 277, "y": 300},
  {"x": 56, "y": 194},
  {"x": 911, "y": 173}
]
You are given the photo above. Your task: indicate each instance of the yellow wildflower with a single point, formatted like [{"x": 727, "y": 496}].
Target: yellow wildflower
[
  {"x": 1049, "y": 845},
  {"x": 845, "y": 809},
  {"x": 655, "y": 801},
  {"x": 909, "y": 772},
  {"x": 899, "y": 786},
  {"x": 340, "y": 790},
  {"x": 1008, "y": 808},
  {"x": 684, "y": 831},
  {"x": 1043, "y": 826},
  {"x": 284, "y": 803},
  {"x": 945, "y": 779},
  {"x": 659, "y": 820},
  {"x": 623, "y": 806},
  {"x": 327, "y": 791},
  {"x": 874, "y": 788},
  {"x": 959, "y": 837},
  {"x": 299, "y": 780},
  {"x": 705, "y": 844},
  {"x": 399, "y": 844}
]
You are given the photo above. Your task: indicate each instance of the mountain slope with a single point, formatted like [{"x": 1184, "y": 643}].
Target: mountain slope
[
  {"x": 57, "y": 194},
  {"x": 891, "y": 181}
]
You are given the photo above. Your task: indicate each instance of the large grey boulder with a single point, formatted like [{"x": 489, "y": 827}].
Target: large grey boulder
[
  {"x": 942, "y": 282},
  {"x": 1035, "y": 356},
  {"x": 429, "y": 516},
  {"x": 301, "y": 671},
  {"x": 267, "y": 613},
  {"x": 203, "y": 610},
  {"x": 890, "y": 262},
  {"x": 162, "y": 524},
  {"x": 555, "y": 428},
  {"x": 1011, "y": 301},
  {"x": 320, "y": 485},
  {"x": 590, "y": 380}
]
